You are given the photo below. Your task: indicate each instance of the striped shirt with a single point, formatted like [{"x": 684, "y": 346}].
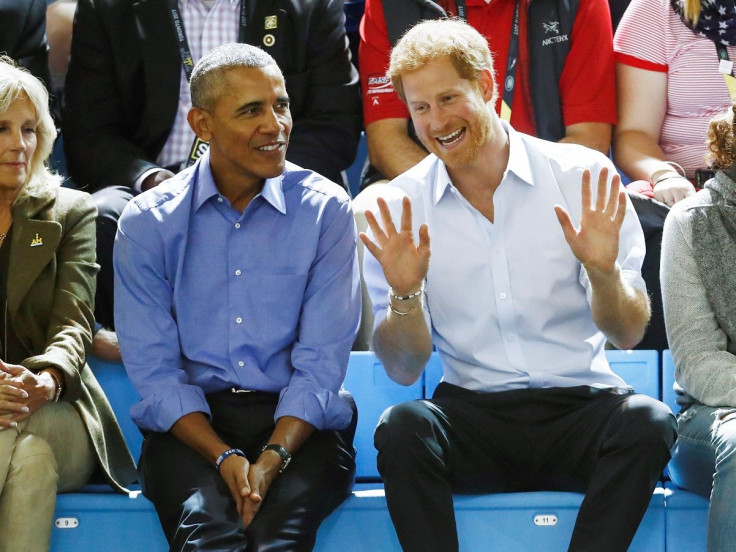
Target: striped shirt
[
  {"x": 206, "y": 28},
  {"x": 651, "y": 36}
]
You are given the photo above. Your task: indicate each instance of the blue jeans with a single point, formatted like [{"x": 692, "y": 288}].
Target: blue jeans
[{"x": 704, "y": 462}]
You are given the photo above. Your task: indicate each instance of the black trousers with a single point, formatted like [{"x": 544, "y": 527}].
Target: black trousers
[
  {"x": 195, "y": 507},
  {"x": 110, "y": 203},
  {"x": 611, "y": 447}
]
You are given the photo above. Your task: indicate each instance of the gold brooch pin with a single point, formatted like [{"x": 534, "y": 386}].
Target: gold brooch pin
[
  {"x": 36, "y": 241},
  {"x": 272, "y": 22}
]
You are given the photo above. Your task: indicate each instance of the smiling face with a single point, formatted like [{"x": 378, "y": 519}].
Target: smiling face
[
  {"x": 450, "y": 114},
  {"x": 248, "y": 127},
  {"x": 17, "y": 145}
]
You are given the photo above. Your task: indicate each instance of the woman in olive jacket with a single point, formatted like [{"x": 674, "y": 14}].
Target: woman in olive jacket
[{"x": 56, "y": 425}]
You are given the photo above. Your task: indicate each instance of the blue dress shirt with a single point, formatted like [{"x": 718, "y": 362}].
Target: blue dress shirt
[
  {"x": 207, "y": 298},
  {"x": 507, "y": 302}
]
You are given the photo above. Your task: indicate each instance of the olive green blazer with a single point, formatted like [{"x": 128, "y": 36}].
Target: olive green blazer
[{"x": 51, "y": 288}]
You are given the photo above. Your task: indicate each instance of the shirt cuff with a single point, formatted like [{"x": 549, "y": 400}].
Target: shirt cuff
[
  {"x": 320, "y": 407},
  {"x": 158, "y": 412}
]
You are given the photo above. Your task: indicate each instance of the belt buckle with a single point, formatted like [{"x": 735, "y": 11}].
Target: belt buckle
[{"x": 236, "y": 391}]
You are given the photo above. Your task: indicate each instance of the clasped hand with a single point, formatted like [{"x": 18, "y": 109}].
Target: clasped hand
[
  {"x": 404, "y": 263},
  {"x": 248, "y": 483},
  {"x": 21, "y": 393},
  {"x": 595, "y": 243}
]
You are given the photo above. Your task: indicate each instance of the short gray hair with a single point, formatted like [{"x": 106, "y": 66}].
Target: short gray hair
[
  {"x": 16, "y": 83},
  {"x": 207, "y": 80}
]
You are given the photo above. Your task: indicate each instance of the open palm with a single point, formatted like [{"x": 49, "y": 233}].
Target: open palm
[
  {"x": 596, "y": 242},
  {"x": 405, "y": 264}
]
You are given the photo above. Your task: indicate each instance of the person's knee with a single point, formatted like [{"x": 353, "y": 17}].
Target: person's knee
[
  {"x": 399, "y": 423},
  {"x": 33, "y": 465},
  {"x": 647, "y": 423}
]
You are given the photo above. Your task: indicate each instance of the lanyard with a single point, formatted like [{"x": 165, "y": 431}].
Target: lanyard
[
  {"x": 509, "y": 82},
  {"x": 185, "y": 52},
  {"x": 725, "y": 67},
  {"x": 199, "y": 146}
]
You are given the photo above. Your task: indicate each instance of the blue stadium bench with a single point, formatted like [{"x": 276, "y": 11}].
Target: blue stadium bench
[
  {"x": 374, "y": 392},
  {"x": 511, "y": 522},
  {"x": 686, "y": 520},
  {"x": 98, "y": 518}
]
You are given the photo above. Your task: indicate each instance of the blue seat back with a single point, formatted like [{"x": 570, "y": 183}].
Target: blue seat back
[
  {"x": 669, "y": 397},
  {"x": 374, "y": 392},
  {"x": 640, "y": 369}
]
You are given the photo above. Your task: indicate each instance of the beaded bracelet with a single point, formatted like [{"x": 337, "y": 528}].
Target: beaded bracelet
[
  {"x": 417, "y": 293},
  {"x": 230, "y": 452}
]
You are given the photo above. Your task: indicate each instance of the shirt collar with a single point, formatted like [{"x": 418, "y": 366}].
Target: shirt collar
[
  {"x": 272, "y": 192},
  {"x": 183, "y": 3},
  {"x": 518, "y": 164}
]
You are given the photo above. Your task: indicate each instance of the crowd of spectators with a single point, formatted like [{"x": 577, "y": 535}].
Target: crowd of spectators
[{"x": 637, "y": 80}]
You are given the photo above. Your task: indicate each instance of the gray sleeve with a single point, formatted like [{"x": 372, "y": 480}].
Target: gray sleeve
[{"x": 703, "y": 366}]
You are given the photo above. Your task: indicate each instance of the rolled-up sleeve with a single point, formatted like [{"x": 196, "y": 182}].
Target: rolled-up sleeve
[
  {"x": 327, "y": 327},
  {"x": 146, "y": 327}
]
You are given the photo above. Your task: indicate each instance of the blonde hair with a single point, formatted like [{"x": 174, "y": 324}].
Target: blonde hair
[
  {"x": 429, "y": 40},
  {"x": 16, "y": 83},
  {"x": 721, "y": 140},
  {"x": 691, "y": 10}
]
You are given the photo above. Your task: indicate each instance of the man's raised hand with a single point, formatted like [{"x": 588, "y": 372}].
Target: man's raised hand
[
  {"x": 595, "y": 243},
  {"x": 405, "y": 264}
]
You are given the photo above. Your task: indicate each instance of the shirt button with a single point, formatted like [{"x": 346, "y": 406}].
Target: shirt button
[
  {"x": 238, "y": 320},
  {"x": 241, "y": 363},
  {"x": 238, "y": 272},
  {"x": 237, "y": 225},
  {"x": 220, "y": 199},
  {"x": 510, "y": 338},
  {"x": 497, "y": 250},
  {"x": 502, "y": 295}
]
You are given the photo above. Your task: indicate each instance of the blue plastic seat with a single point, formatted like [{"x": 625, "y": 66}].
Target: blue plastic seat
[
  {"x": 669, "y": 397},
  {"x": 640, "y": 369},
  {"x": 374, "y": 392},
  {"x": 687, "y": 520}
]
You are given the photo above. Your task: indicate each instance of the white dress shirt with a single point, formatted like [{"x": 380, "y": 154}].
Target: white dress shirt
[{"x": 508, "y": 302}]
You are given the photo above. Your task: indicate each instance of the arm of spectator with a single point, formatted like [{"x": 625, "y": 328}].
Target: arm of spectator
[
  {"x": 31, "y": 51},
  {"x": 146, "y": 327},
  {"x": 98, "y": 154},
  {"x": 326, "y": 132},
  {"x": 642, "y": 103},
  {"x": 401, "y": 341},
  {"x": 595, "y": 136},
  {"x": 328, "y": 325},
  {"x": 703, "y": 365},
  {"x": 390, "y": 148},
  {"x": 195, "y": 431},
  {"x": 587, "y": 88},
  {"x": 71, "y": 319},
  {"x": 290, "y": 433},
  {"x": 620, "y": 310}
]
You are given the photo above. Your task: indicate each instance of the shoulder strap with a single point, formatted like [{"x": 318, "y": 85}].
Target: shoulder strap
[{"x": 549, "y": 28}]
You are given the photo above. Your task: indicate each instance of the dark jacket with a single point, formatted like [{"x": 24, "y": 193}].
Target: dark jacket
[{"x": 122, "y": 87}]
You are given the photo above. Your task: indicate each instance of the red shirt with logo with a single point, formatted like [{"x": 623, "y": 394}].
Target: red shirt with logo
[{"x": 587, "y": 85}]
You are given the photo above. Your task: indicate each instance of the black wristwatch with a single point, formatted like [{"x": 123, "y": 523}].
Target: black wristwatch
[{"x": 282, "y": 452}]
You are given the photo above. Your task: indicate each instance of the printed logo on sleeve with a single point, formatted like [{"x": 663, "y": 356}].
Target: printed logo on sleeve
[{"x": 378, "y": 84}]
